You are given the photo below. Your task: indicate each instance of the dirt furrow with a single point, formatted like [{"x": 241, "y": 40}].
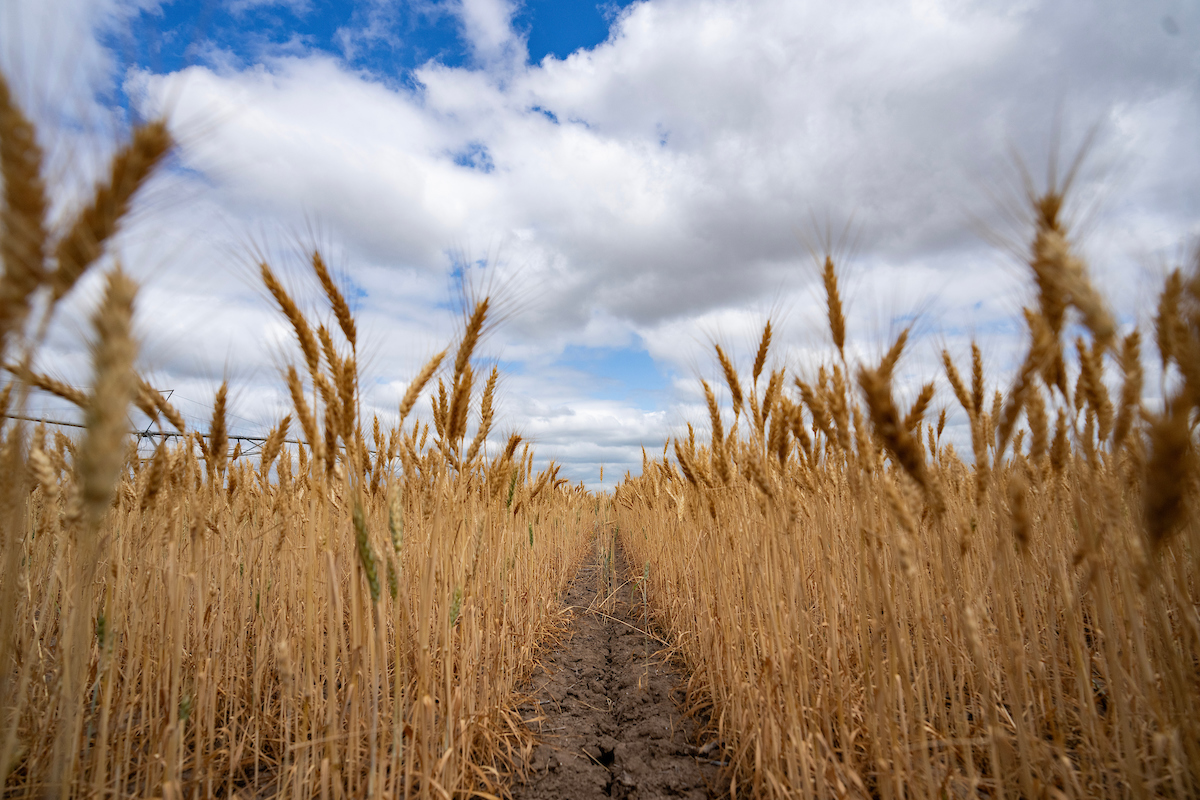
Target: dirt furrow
[{"x": 606, "y": 712}]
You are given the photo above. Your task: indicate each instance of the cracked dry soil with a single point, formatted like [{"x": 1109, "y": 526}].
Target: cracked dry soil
[{"x": 605, "y": 711}]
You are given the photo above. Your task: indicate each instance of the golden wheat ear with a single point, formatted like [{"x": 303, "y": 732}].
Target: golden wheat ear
[
  {"x": 731, "y": 378},
  {"x": 22, "y": 214},
  {"x": 471, "y": 336},
  {"x": 1131, "y": 391},
  {"x": 1168, "y": 473},
  {"x": 218, "y": 436},
  {"x": 48, "y": 384},
  {"x": 895, "y": 435},
  {"x": 485, "y": 417},
  {"x": 833, "y": 301},
  {"x": 85, "y": 237},
  {"x": 341, "y": 309},
  {"x": 760, "y": 359},
  {"x": 304, "y": 334},
  {"x": 418, "y": 383}
]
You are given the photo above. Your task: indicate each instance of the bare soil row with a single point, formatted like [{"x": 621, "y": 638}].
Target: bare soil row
[{"x": 607, "y": 710}]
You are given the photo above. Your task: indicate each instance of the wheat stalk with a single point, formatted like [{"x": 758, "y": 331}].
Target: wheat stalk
[{"x": 101, "y": 456}]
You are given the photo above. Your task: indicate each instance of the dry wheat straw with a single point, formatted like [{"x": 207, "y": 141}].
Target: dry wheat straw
[{"x": 1014, "y": 643}]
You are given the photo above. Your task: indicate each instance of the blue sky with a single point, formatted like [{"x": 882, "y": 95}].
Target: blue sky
[
  {"x": 178, "y": 33},
  {"x": 633, "y": 181}
]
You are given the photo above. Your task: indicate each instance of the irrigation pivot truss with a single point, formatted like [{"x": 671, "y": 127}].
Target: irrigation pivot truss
[{"x": 253, "y": 443}]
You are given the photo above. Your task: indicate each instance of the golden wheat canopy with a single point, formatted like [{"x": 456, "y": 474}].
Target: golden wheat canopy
[{"x": 640, "y": 182}]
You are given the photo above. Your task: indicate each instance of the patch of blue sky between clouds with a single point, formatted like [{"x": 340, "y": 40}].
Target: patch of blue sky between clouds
[
  {"x": 388, "y": 40},
  {"x": 624, "y": 374},
  {"x": 560, "y": 27},
  {"x": 475, "y": 156}
]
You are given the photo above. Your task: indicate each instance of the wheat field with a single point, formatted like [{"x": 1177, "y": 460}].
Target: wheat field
[{"x": 353, "y": 611}]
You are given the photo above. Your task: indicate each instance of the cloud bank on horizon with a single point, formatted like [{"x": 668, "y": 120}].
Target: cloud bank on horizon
[{"x": 635, "y": 181}]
